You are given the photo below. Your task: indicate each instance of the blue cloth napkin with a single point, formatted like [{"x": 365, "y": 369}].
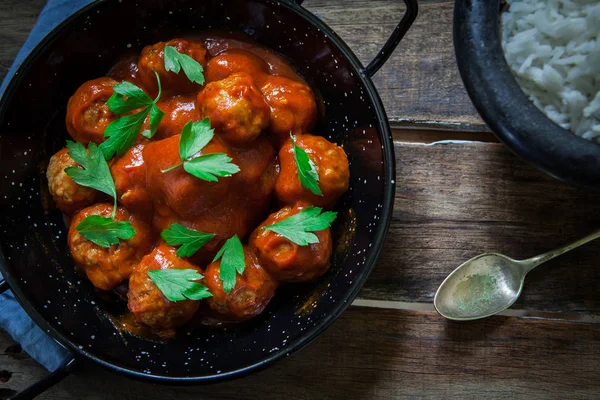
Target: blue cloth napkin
[{"x": 12, "y": 317}]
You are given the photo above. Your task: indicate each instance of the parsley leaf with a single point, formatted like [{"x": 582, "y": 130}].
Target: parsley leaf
[
  {"x": 104, "y": 231},
  {"x": 179, "y": 284},
  {"x": 95, "y": 174},
  {"x": 298, "y": 228},
  {"x": 122, "y": 133},
  {"x": 210, "y": 166},
  {"x": 307, "y": 171},
  {"x": 136, "y": 98},
  {"x": 232, "y": 262},
  {"x": 190, "y": 239},
  {"x": 176, "y": 61},
  {"x": 194, "y": 137}
]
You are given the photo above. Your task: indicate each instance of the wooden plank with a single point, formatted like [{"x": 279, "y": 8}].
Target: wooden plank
[
  {"x": 454, "y": 201},
  {"x": 383, "y": 354},
  {"x": 418, "y": 85},
  {"x": 18, "y": 17}
]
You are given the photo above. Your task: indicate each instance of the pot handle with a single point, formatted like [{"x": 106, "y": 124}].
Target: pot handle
[
  {"x": 47, "y": 382},
  {"x": 412, "y": 9}
]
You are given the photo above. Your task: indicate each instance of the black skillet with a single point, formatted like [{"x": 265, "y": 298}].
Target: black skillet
[
  {"x": 34, "y": 257},
  {"x": 515, "y": 120}
]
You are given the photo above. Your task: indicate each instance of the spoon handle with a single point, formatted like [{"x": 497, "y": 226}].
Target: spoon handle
[{"x": 533, "y": 262}]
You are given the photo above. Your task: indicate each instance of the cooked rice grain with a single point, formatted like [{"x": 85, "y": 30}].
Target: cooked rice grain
[{"x": 553, "y": 48}]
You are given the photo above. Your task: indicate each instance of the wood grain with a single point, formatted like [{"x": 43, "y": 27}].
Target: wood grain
[
  {"x": 419, "y": 85},
  {"x": 384, "y": 354},
  {"x": 17, "y": 17},
  {"x": 454, "y": 201}
]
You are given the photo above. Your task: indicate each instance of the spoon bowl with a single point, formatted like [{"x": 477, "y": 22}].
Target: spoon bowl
[{"x": 480, "y": 287}]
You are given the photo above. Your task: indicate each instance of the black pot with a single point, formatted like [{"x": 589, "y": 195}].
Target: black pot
[
  {"x": 34, "y": 257},
  {"x": 515, "y": 120}
]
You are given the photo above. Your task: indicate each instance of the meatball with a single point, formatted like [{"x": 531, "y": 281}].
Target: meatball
[
  {"x": 285, "y": 260},
  {"x": 129, "y": 174},
  {"x": 146, "y": 301},
  {"x": 233, "y": 61},
  {"x": 152, "y": 59},
  {"x": 106, "y": 268},
  {"x": 253, "y": 290},
  {"x": 179, "y": 110},
  {"x": 293, "y": 106},
  {"x": 88, "y": 114},
  {"x": 68, "y": 195},
  {"x": 331, "y": 164},
  {"x": 126, "y": 69},
  {"x": 235, "y": 107},
  {"x": 178, "y": 190},
  {"x": 233, "y": 205}
]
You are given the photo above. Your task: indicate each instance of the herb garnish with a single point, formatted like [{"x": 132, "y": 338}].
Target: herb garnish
[
  {"x": 123, "y": 132},
  {"x": 307, "y": 171},
  {"x": 190, "y": 240},
  {"x": 194, "y": 137},
  {"x": 179, "y": 284},
  {"x": 232, "y": 262},
  {"x": 96, "y": 175},
  {"x": 298, "y": 228},
  {"x": 104, "y": 231},
  {"x": 176, "y": 61}
]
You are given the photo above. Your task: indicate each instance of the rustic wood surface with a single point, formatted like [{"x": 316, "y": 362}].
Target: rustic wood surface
[
  {"x": 453, "y": 201},
  {"x": 389, "y": 354}
]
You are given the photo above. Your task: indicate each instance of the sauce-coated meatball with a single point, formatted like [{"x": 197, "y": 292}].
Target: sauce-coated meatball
[
  {"x": 332, "y": 166},
  {"x": 147, "y": 302},
  {"x": 285, "y": 260},
  {"x": 178, "y": 190},
  {"x": 152, "y": 59},
  {"x": 253, "y": 290},
  {"x": 179, "y": 110},
  {"x": 235, "y": 107},
  {"x": 87, "y": 112},
  {"x": 293, "y": 106},
  {"x": 68, "y": 195},
  {"x": 107, "y": 267},
  {"x": 129, "y": 174},
  {"x": 233, "y": 61},
  {"x": 233, "y": 205},
  {"x": 126, "y": 69}
]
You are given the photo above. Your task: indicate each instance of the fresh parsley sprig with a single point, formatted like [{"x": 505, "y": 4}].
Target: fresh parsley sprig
[
  {"x": 104, "y": 231},
  {"x": 307, "y": 171},
  {"x": 122, "y": 132},
  {"x": 96, "y": 175},
  {"x": 194, "y": 137},
  {"x": 190, "y": 240},
  {"x": 179, "y": 284},
  {"x": 176, "y": 61},
  {"x": 232, "y": 262},
  {"x": 298, "y": 228}
]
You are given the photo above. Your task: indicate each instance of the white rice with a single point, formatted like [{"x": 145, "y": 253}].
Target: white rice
[{"x": 553, "y": 48}]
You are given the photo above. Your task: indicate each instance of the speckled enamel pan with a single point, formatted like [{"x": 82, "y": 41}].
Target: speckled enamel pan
[{"x": 34, "y": 256}]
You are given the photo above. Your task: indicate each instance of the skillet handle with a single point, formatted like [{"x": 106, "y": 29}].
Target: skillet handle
[
  {"x": 412, "y": 9},
  {"x": 47, "y": 382}
]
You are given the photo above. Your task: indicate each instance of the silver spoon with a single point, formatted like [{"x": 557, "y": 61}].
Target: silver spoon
[{"x": 490, "y": 283}]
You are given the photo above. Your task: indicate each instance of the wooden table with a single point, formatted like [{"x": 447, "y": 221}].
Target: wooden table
[{"x": 453, "y": 201}]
